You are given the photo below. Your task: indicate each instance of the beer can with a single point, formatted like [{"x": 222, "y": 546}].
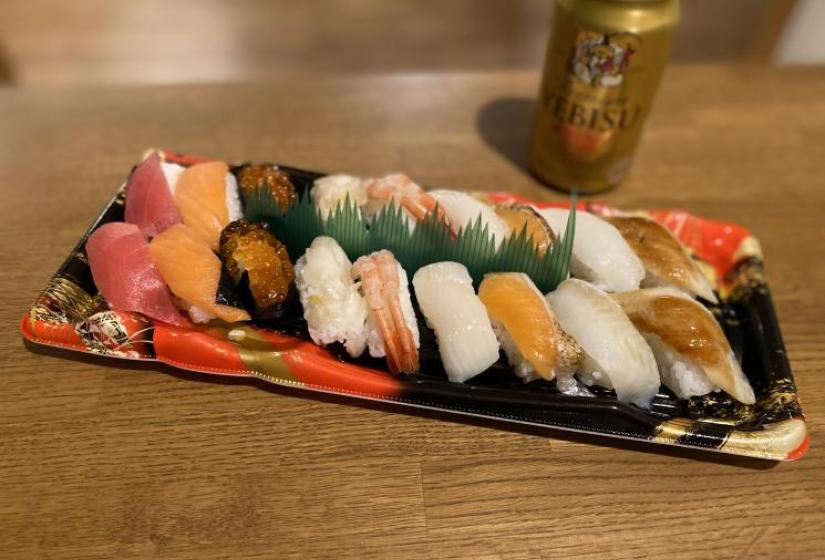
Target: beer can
[{"x": 603, "y": 66}]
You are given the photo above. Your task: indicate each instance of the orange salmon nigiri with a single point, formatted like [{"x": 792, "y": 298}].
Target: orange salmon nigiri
[
  {"x": 192, "y": 272},
  {"x": 200, "y": 195},
  {"x": 526, "y": 327}
]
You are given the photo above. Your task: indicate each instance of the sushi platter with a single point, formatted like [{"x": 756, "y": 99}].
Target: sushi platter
[{"x": 656, "y": 326}]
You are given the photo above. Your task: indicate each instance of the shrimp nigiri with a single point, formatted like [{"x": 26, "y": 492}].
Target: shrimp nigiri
[
  {"x": 392, "y": 330},
  {"x": 402, "y": 191}
]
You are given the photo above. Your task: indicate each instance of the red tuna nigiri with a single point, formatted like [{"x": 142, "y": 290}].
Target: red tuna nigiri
[
  {"x": 123, "y": 271},
  {"x": 149, "y": 202}
]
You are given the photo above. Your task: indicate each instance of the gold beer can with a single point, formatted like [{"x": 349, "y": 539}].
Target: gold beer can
[{"x": 603, "y": 66}]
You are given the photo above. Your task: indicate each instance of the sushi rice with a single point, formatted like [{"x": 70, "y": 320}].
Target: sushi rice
[{"x": 172, "y": 173}]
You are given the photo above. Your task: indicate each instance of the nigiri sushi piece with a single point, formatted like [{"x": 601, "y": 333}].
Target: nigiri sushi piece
[
  {"x": 527, "y": 329},
  {"x": 333, "y": 308},
  {"x": 392, "y": 329},
  {"x": 462, "y": 210},
  {"x": 466, "y": 341},
  {"x": 149, "y": 202},
  {"x": 399, "y": 190},
  {"x": 330, "y": 192},
  {"x": 259, "y": 264},
  {"x": 207, "y": 196},
  {"x": 123, "y": 271},
  {"x": 616, "y": 356},
  {"x": 193, "y": 272},
  {"x": 520, "y": 217},
  {"x": 600, "y": 253},
  {"x": 253, "y": 178},
  {"x": 665, "y": 258},
  {"x": 693, "y": 354}
]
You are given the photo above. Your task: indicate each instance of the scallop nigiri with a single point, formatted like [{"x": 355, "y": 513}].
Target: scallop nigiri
[
  {"x": 391, "y": 327},
  {"x": 466, "y": 341},
  {"x": 333, "y": 308},
  {"x": 665, "y": 259},
  {"x": 527, "y": 329},
  {"x": 693, "y": 354},
  {"x": 207, "y": 197},
  {"x": 462, "y": 210},
  {"x": 332, "y": 191},
  {"x": 616, "y": 356},
  {"x": 193, "y": 272},
  {"x": 518, "y": 217},
  {"x": 600, "y": 253}
]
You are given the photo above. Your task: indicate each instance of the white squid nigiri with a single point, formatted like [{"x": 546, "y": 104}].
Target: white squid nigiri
[
  {"x": 333, "y": 308},
  {"x": 462, "y": 210},
  {"x": 616, "y": 356},
  {"x": 693, "y": 354},
  {"x": 466, "y": 340},
  {"x": 600, "y": 253}
]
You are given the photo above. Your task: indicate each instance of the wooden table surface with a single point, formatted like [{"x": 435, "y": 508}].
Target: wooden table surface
[{"x": 104, "y": 460}]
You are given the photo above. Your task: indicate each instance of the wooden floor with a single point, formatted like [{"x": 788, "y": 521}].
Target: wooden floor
[
  {"x": 54, "y": 42},
  {"x": 106, "y": 460}
]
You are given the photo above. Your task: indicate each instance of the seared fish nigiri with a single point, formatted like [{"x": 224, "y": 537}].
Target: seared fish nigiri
[
  {"x": 666, "y": 260},
  {"x": 527, "y": 329},
  {"x": 616, "y": 356},
  {"x": 693, "y": 354},
  {"x": 522, "y": 216}
]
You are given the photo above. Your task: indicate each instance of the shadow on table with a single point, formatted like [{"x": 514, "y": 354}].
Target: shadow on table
[
  {"x": 6, "y": 73},
  {"x": 393, "y": 408},
  {"x": 506, "y": 124}
]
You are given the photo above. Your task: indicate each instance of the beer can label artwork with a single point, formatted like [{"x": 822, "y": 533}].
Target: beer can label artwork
[{"x": 598, "y": 86}]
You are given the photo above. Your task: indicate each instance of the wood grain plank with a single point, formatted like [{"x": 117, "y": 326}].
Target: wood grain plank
[{"x": 100, "y": 459}]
